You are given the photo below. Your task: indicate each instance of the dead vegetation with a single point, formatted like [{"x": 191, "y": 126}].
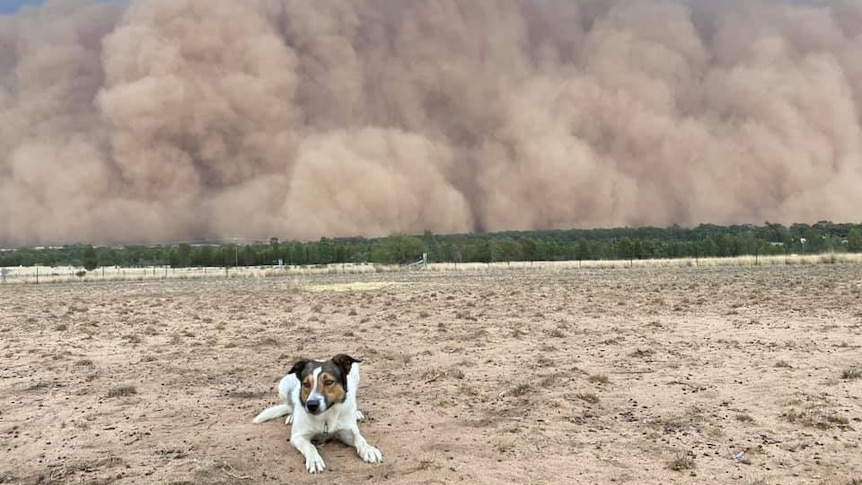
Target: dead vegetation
[
  {"x": 852, "y": 373},
  {"x": 682, "y": 462},
  {"x": 122, "y": 390}
]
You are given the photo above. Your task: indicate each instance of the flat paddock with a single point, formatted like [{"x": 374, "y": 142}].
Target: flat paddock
[{"x": 643, "y": 375}]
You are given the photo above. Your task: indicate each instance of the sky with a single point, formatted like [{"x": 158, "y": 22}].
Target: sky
[{"x": 12, "y": 6}]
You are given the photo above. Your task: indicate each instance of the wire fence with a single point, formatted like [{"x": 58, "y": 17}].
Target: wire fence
[{"x": 45, "y": 274}]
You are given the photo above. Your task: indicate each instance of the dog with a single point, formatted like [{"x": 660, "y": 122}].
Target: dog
[{"x": 319, "y": 398}]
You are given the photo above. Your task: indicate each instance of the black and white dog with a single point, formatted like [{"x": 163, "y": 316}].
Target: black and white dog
[{"x": 320, "y": 400}]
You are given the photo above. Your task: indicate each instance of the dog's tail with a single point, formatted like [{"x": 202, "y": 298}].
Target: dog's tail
[{"x": 271, "y": 413}]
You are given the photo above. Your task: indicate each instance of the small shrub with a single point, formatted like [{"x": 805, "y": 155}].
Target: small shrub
[
  {"x": 681, "y": 462},
  {"x": 520, "y": 390},
  {"x": 815, "y": 418},
  {"x": 122, "y": 390},
  {"x": 599, "y": 379},
  {"x": 641, "y": 353},
  {"x": 852, "y": 373}
]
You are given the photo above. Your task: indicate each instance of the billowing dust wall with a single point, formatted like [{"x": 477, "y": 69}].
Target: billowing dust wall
[{"x": 170, "y": 120}]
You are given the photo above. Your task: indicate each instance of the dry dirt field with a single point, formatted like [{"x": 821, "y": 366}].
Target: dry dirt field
[{"x": 723, "y": 375}]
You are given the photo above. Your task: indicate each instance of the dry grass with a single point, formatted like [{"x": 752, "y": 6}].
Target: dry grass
[
  {"x": 434, "y": 374},
  {"x": 520, "y": 390},
  {"x": 122, "y": 390},
  {"x": 682, "y": 462},
  {"x": 588, "y": 397},
  {"x": 815, "y": 417},
  {"x": 852, "y": 373},
  {"x": 599, "y": 379}
]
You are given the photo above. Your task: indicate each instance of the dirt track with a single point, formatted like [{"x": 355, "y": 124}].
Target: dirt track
[{"x": 730, "y": 374}]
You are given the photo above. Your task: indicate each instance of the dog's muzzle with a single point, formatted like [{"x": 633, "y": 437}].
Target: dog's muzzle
[{"x": 313, "y": 406}]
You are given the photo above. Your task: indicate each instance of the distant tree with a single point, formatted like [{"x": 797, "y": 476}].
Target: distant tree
[
  {"x": 401, "y": 248},
  {"x": 814, "y": 242},
  {"x": 854, "y": 240},
  {"x": 508, "y": 250},
  {"x": 91, "y": 262},
  {"x": 625, "y": 249},
  {"x": 734, "y": 247},
  {"x": 528, "y": 248},
  {"x": 638, "y": 249},
  {"x": 582, "y": 251},
  {"x": 479, "y": 251},
  {"x": 184, "y": 256},
  {"x": 708, "y": 248}
]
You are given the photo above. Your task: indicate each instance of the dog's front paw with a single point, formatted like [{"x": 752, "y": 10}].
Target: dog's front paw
[
  {"x": 370, "y": 454},
  {"x": 315, "y": 464},
  {"x": 360, "y": 416}
]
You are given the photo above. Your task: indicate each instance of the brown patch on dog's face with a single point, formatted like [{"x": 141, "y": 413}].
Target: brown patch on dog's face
[
  {"x": 303, "y": 370},
  {"x": 307, "y": 385},
  {"x": 332, "y": 388}
]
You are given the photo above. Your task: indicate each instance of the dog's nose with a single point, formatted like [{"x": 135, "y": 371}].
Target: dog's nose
[{"x": 313, "y": 405}]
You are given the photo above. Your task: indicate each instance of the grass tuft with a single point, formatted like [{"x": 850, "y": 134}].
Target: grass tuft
[
  {"x": 122, "y": 390},
  {"x": 588, "y": 397},
  {"x": 852, "y": 373},
  {"x": 681, "y": 462},
  {"x": 599, "y": 379}
]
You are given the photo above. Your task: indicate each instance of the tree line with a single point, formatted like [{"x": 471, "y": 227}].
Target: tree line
[{"x": 705, "y": 240}]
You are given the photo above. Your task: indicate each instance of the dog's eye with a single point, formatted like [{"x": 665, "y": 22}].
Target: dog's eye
[
  {"x": 328, "y": 382},
  {"x": 306, "y": 384}
]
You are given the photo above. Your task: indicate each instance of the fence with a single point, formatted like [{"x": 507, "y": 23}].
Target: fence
[{"x": 43, "y": 274}]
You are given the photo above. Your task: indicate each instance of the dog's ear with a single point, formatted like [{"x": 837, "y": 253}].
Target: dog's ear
[
  {"x": 298, "y": 367},
  {"x": 344, "y": 362}
]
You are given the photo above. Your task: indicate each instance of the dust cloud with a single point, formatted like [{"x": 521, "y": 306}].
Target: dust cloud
[{"x": 182, "y": 120}]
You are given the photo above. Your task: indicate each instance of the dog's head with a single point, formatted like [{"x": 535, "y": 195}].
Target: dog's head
[{"x": 324, "y": 383}]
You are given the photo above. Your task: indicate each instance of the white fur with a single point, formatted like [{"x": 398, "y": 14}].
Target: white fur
[{"x": 340, "y": 420}]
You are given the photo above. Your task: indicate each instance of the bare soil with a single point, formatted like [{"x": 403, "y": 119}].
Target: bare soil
[{"x": 737, "y": 375}]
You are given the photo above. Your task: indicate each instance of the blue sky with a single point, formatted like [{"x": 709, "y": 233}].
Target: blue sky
[{"x": 12, "y": 6}]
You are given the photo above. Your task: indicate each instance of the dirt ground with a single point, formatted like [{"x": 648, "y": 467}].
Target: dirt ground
[{"x": 737, "y": 375}]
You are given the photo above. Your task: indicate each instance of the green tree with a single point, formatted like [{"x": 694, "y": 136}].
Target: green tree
[
  {"x": 508, "y": 250},
  {"x": 479, "y": 251},
  {"x": 708, "y": 248},
  {"x": 582, "y": 251},
  {"x": 814, "y": 242},
  {"x": 184, "y": 255},
  {"x": 528, "y": 248},
  {"x": 625, "y": 249},
  {"x": 854, "y": 240},
  {"x": 401, "y": 248},
  {"x": 91, "y": 262}
]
